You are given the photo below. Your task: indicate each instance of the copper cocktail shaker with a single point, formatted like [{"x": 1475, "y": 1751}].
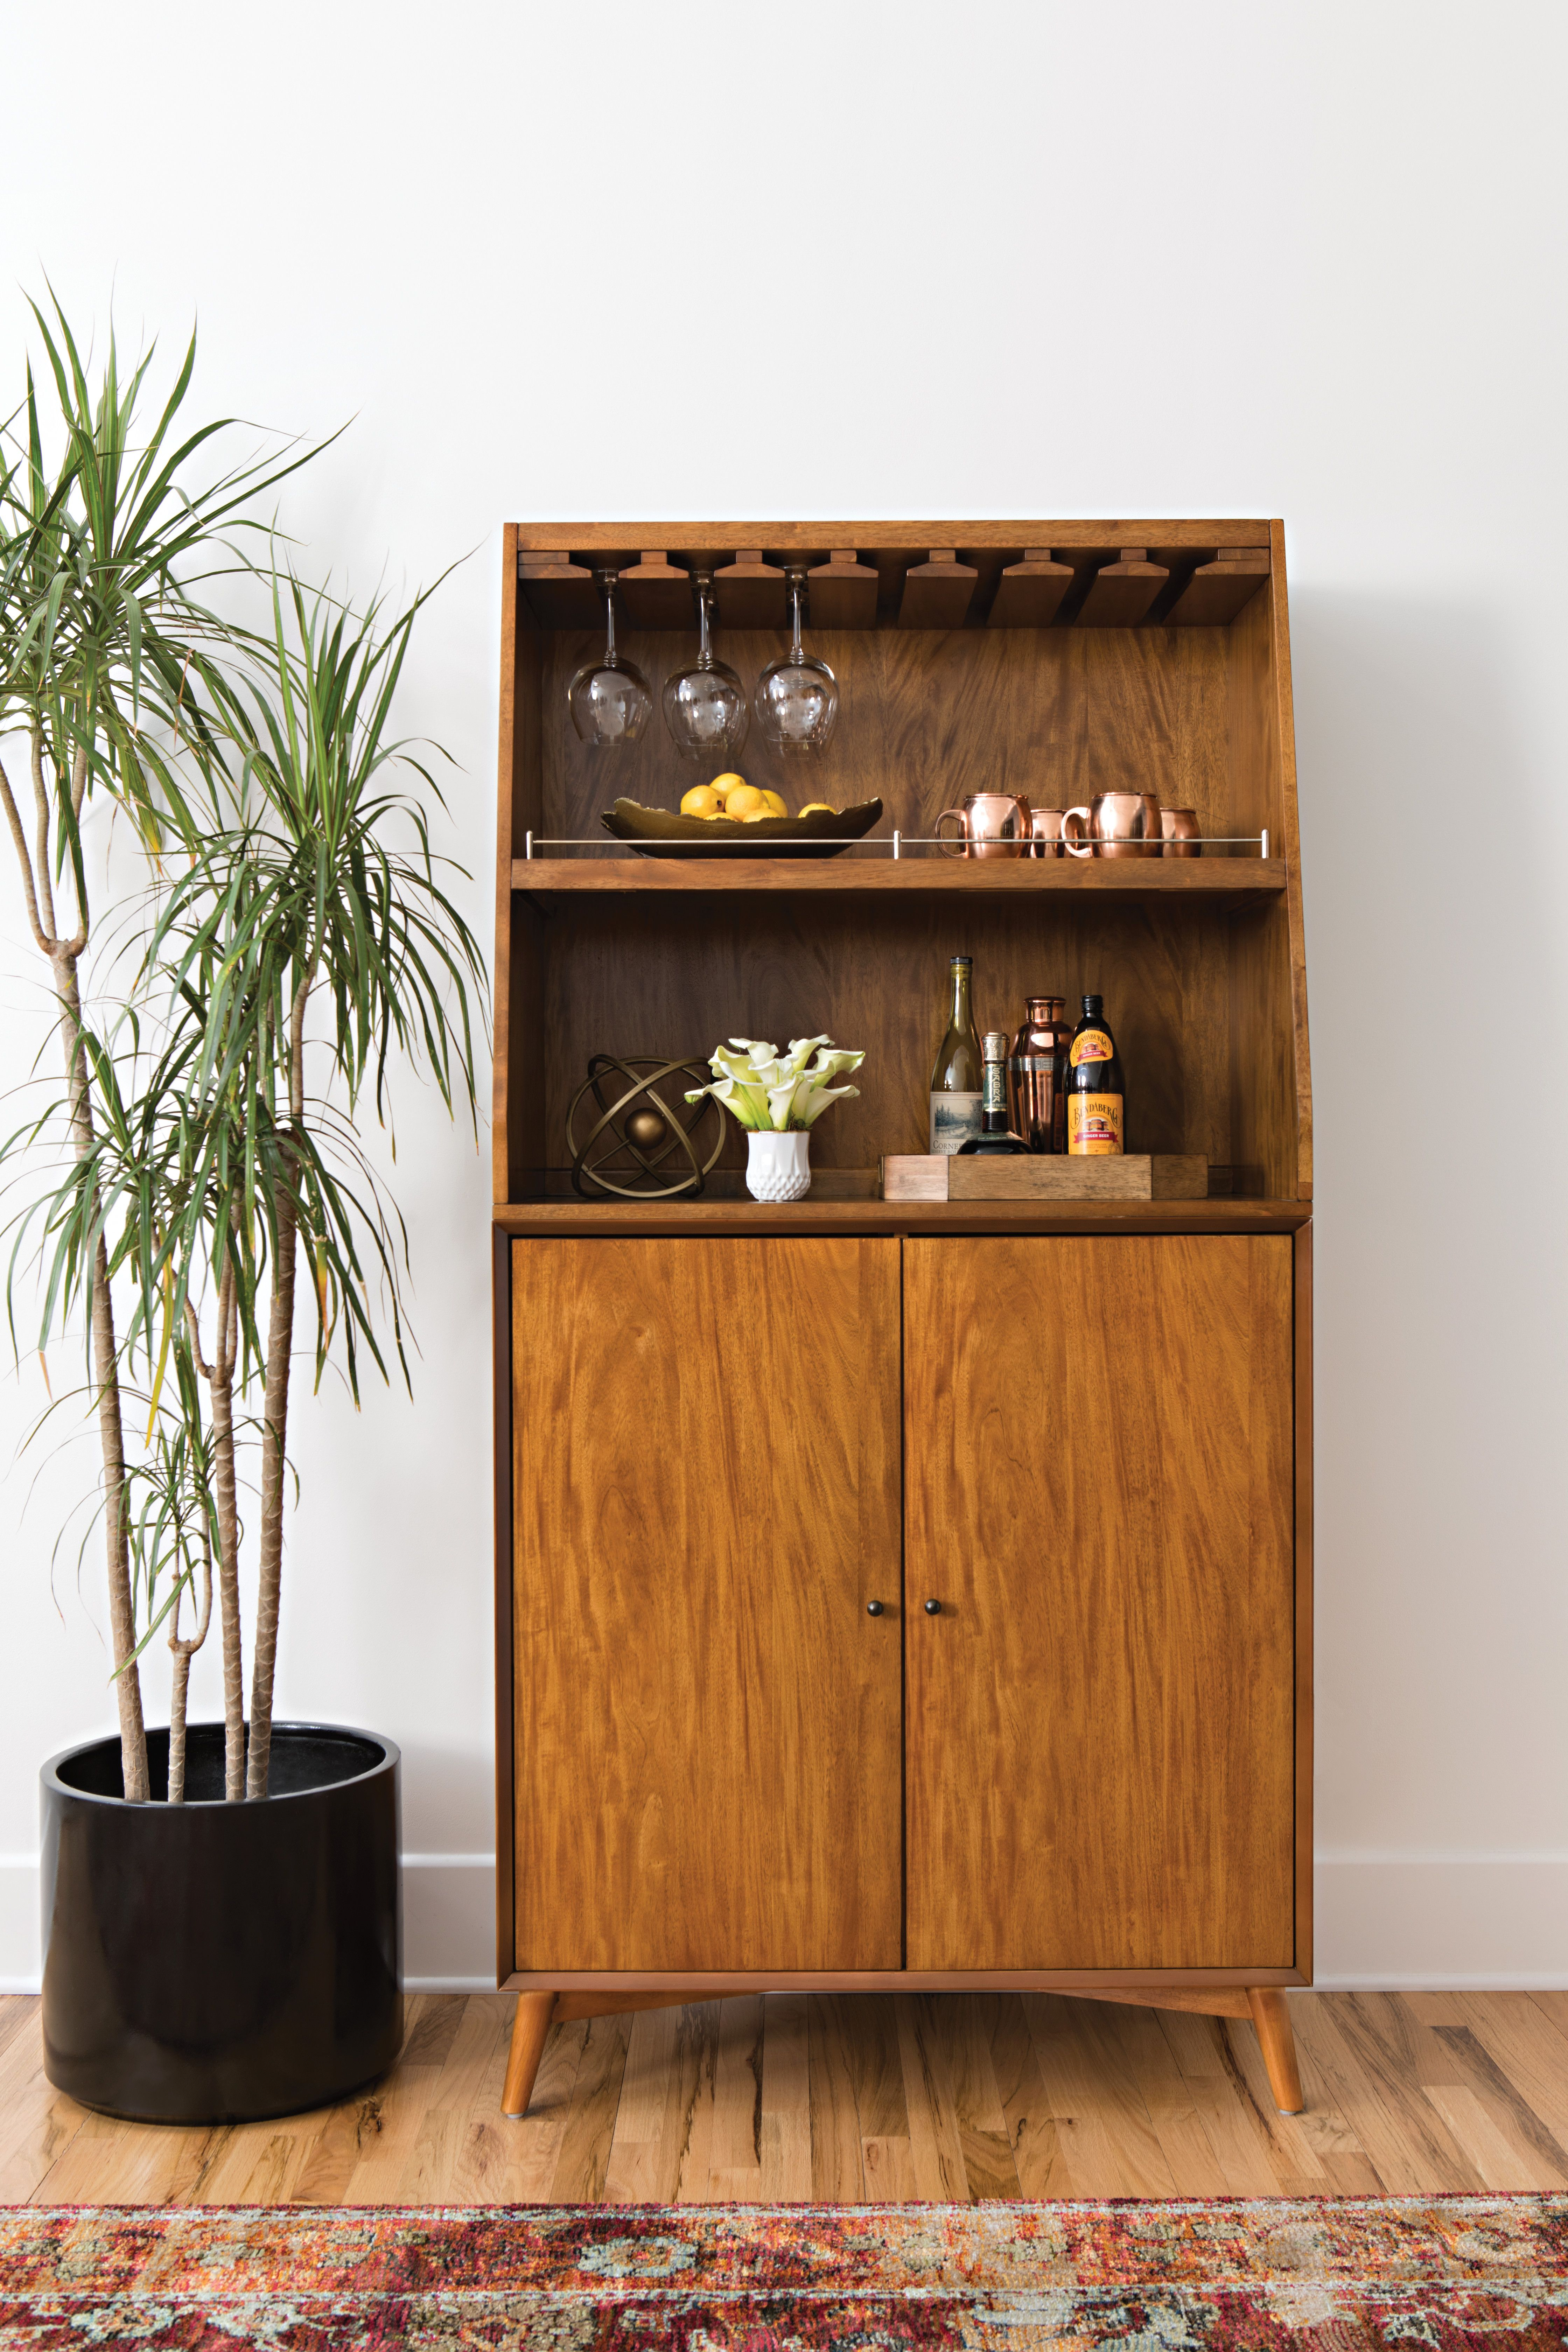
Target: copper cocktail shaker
[{"x": 1037, "y": 1076}]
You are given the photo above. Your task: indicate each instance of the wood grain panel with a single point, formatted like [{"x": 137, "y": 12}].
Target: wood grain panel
[
  {"x": 927, "y": 716},
  {"x": 1099, "y": 1489},
  {"x": 706, "y": 1496},
  {"x": 1271, "y": 1081},
  {"x": 871, "y": 537},
  {"x": 635, "y": 976}
]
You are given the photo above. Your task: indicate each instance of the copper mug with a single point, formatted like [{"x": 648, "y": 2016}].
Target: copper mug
[
  {"x": 991, "y": 824},
  {"x": 1114, "y": 824},
  {"x": 1046, "y": 832},
  {"x": 1180, "y": 827}
]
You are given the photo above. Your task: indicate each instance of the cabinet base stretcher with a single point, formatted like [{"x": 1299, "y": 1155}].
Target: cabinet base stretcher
[{"x": 538, "y": 2010}]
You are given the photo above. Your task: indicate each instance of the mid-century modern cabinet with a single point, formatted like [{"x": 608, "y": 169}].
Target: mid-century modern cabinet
[{"x": 909, "y": 1594}]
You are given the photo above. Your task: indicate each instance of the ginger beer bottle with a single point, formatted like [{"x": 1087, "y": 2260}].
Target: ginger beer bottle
[{"x": 1096, "y": 1099}]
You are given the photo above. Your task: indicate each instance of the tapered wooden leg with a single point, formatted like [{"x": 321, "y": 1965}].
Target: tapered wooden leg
[
  {"x": 529, "y": 2028},
  {"x": 1272, "y": 2019}
]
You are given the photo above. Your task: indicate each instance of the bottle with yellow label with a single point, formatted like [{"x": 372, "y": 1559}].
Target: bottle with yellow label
[{"x": 1096, "y": 1099}]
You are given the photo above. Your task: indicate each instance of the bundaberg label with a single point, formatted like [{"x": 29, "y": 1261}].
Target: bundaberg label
[{"x": 1094, "y": 1125}]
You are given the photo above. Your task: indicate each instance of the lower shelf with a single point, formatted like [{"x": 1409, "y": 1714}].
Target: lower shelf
[{"x": 622, "y": 1218}]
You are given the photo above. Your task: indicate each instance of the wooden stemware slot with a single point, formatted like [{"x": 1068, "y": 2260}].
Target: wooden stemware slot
[
  {"x": 750, "y": 593},
  {"x": 656, "y": 593},
  {"x": 1121, "y": 593},
  {"x": 937, "y": 592},
  {"x": 1028, "y": 593},
  {"x": 1217, "y": 592},
  {"x": 842, "y": 592}
]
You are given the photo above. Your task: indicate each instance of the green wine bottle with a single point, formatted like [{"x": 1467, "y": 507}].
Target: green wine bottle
[{"x": 955, "y": 1079}]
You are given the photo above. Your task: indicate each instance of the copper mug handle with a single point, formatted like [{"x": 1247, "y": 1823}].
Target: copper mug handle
[
  {"x": 1076, "y": 838},
  {"x": 949, "y": 849}
]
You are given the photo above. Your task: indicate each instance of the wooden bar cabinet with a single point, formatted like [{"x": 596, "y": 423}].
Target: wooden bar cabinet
[{"x": 908, "y": 1593}]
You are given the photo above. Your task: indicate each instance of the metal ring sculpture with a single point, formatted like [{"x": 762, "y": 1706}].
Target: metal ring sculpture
[{"x": 650, "y": 1135}]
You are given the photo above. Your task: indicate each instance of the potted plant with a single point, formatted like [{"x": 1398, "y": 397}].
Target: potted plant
[
  {"x": 221, "y": 1916},
  {"x": 778, "y": 1100}
]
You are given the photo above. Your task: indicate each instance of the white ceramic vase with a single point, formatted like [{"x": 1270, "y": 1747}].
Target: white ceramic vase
[{"x": 778, "y": 1167}]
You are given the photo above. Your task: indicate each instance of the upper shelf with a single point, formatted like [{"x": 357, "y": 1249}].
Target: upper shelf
[
  {"x": 890, "y": 575},
  {"x": 1235, "y": 878}
]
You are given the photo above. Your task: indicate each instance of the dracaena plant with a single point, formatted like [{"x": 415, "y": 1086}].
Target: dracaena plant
[
  {"x": 769, "y": 1092},
  {"x": 308, "y": 941},
  {"x": 110, "y": 516},
  {"x": 297, "y": 941}
]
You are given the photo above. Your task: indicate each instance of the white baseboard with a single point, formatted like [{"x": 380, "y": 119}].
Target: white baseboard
[{"x": 1437, "y": 1922}]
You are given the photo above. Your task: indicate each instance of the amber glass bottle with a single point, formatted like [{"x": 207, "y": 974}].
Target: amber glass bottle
[{"x": 1097, "y": 1101}]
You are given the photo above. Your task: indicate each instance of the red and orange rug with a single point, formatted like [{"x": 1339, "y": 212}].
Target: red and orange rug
[{"x": 1253, "y": 2275}]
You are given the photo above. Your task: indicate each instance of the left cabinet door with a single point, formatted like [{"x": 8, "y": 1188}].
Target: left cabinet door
[{"x": 705, "y": 1498}]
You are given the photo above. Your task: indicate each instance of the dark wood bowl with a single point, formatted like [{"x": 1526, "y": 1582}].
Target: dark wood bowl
[{"x": 665, "y": 833}]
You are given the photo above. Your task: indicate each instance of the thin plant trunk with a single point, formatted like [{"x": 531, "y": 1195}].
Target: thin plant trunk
[
  {"x": 184, "y": 1651},
  {"x": 219, "y": 1377},
  {"x": 274, "y": 1457},
  {"x": 275, "y": 1426},
  {"x": 63, "y": 956}
]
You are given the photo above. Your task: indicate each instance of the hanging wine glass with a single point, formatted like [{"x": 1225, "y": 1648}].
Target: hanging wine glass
[
  {"x": 609, "y": 698},
  {"x": 798, "y": 698},
  {"x": 705, "y": 704}
]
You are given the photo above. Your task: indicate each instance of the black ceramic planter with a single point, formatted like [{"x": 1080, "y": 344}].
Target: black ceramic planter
[{"x": 216, "y": 1963}]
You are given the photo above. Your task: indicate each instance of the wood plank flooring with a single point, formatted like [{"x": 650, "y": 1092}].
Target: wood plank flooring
[{"x": 845, "y": 2099}]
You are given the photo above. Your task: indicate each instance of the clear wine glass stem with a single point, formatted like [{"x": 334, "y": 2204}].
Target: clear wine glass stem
[
  {"x": 609, "y": 581},
  {"x": 704, "y": 654},
  {"x": 797, "y": 650}
]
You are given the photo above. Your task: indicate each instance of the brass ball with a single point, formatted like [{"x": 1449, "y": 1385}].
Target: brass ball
[{"x": 646, "y": 1129}]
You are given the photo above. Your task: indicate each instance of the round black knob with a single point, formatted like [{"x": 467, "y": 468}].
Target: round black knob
[
  {"x": 933, "y": 1609},
  {"x": 873, "y": 1608}
]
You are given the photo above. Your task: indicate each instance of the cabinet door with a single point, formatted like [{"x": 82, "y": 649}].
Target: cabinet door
[
  {"x": 705, "y": 1497},
  {"x": 1098, "y": 1469}
]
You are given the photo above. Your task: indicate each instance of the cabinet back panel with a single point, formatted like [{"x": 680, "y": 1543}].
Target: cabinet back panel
[
  {"x": 677, "y": 975},
  {"x": 926, "y": 716},
  {"x": 706, "y": 1496},
  {"x": 1099, "y": 1490}
]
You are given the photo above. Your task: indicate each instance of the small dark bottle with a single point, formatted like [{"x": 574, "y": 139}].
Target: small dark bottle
[
  {"x": 1097, "y": 1099},
  {"x": 995, "y": 1135}
]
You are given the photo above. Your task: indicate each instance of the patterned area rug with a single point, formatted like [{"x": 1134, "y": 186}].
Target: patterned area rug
[{"x": 1338, "y": 2275}]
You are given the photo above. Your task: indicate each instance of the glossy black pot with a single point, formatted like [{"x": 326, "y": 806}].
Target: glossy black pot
[{"x": 217, "y": 1963}]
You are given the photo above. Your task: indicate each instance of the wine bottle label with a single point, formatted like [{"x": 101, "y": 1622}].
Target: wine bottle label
[
  {"x": 1094, "y": 1046},
  {"x": 1094, "y": 1125},
  {"x": 995, "y": 1085},
  {"x": 953, "y": 1119}
]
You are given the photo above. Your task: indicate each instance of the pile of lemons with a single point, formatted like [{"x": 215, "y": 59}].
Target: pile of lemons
[{"x": 733, "y": 796}]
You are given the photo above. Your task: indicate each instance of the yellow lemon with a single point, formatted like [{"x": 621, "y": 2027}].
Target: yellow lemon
[
  {"x": 724, "y": 785},
  {"x": 701, "y": 800},
  {"x": 776, "y": 804},
  {"x": 812, "y": 807},
  {"x": 741, "y": 799}
]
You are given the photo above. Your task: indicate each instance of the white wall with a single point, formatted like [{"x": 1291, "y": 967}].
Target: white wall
[{"x": 863, "y": 259}]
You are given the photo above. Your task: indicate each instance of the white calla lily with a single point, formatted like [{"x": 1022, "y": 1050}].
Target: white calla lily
[
  {"x": 808, "y": 1114},
  {"x": 767, "y": 1091}
]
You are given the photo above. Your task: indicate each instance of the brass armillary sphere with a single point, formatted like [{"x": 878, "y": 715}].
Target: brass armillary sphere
[{"x": 641, "y": 1125}]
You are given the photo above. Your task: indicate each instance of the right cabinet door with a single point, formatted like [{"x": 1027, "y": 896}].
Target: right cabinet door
[{"x": 1099, "y": 1480}]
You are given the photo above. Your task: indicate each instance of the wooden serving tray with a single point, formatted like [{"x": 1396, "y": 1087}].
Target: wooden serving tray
[{"x": 1135, "y": 1176}]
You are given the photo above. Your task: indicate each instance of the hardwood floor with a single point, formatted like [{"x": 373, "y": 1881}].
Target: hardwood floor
[{"x": 865, "y": 2098}]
